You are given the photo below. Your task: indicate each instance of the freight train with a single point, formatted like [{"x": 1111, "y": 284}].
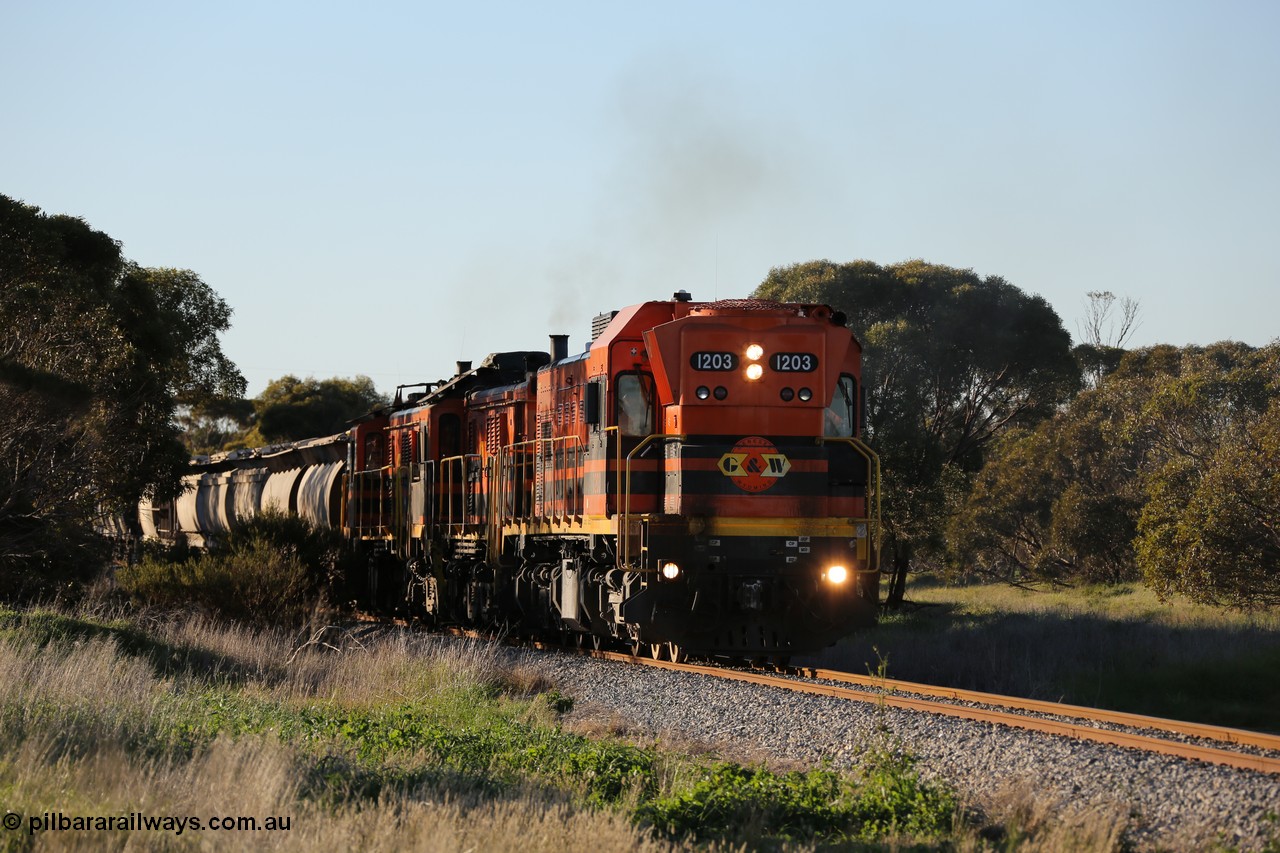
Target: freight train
[{"x": 693, "y": 482}]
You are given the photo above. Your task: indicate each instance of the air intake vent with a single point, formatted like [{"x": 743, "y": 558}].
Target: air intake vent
[{"x": 601, "y": 322}]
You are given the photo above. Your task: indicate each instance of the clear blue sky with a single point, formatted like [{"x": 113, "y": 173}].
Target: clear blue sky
[{"x": 385, "y": 188}]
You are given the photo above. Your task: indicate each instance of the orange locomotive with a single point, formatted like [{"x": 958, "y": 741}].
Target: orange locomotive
[{"x": 694, "y": 482}]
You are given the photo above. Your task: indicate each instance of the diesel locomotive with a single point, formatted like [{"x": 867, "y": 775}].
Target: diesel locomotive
[{"x": 693, "y": 482}]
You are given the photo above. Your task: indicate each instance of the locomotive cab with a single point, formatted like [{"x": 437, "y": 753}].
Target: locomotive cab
[{"x": 759, "y": 541}]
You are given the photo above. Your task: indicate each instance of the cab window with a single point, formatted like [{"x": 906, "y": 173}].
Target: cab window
[
  {"x": 634, "y": 402},
  {"x": 838, "y": 420}
]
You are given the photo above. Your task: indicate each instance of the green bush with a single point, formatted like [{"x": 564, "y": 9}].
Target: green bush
[
  {"x": 737, "y": 802},
  {"x": 273, "y": 569}
]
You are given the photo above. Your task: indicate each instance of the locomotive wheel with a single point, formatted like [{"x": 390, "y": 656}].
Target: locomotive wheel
[
  {"x": 676, "y": 654},
  {"x": 597, "y": 642},
  {"x": 656, "y": 650},
  {"x": 579, "y": 639}
]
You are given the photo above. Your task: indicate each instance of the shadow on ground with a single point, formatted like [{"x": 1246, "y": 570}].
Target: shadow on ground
[{"x": 1224, "y": 675}]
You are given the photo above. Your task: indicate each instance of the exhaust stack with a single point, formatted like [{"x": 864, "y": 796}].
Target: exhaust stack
[{"x": 559, "y": 347}]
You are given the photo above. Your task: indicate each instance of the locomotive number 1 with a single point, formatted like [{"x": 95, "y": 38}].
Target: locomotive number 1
[{"x": 714, "y": 361}]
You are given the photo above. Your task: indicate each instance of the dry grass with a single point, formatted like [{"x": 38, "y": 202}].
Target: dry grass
[
  {"x": 185, "y": 717},
  {"x": 87, "y": 731},
  {"x": 259, "y": 777},
  {"x": 1015, "y": 818}
]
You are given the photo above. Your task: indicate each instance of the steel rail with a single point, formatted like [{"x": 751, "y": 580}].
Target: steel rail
[
  {"x": 879, "y": 692},
  {"x": 1131, "y": 740},
  {"x": 1206, "y": 731}
]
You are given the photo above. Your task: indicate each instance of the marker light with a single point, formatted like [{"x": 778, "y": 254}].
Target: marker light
[
  {"x": 721, "y": 392},
  {"x": 787, "y": 394},
  {"x": 703, "y": 392},
  {"x": 837, "y": 574},
  {"x": 754, "y": 351},
  {"x": 754, "y": 372},
  {"x": 806, "y": 395},
  {"x": 670, "y": 571}
]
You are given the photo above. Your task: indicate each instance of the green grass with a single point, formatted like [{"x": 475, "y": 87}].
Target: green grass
[
  {"x": 109, "y": 716},
  {"x": 1241, "y": 691},
  {"x": 1113, "y": 647}
]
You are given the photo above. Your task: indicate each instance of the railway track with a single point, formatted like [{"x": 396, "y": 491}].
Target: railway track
[{"x": 1134, "y": 731}]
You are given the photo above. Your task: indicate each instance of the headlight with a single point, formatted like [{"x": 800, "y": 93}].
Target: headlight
[
  {"x": 837, "y": 574},
  {"x": 670, "y": 571},
  {"x": 754, "y": 372},
  {"x": 754, "y": 352}
]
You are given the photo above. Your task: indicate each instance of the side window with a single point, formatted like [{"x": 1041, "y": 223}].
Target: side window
[
  {"x": 839, "y": 420},
  {"x": 635, "y": 403}
]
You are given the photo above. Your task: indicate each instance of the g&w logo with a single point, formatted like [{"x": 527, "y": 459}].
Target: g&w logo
[{"x": 754, "y": 464}]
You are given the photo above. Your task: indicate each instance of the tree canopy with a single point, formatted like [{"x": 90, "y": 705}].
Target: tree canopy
[
  {"x": 290, "y": 409},
  {"x": 98, "y": 353},
  {"x": 1169, "y": 470},
  {"x": 951, "y": 361}
]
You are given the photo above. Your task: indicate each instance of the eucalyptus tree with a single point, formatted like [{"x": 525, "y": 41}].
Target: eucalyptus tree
[
  {"x": 1168, "y": 471},
  {"x": 289, "y": 409},
  {"x": 1060, "y": 501},
  {"x": 97, "y": 355},
  {"x": 1210, "y": 527}
]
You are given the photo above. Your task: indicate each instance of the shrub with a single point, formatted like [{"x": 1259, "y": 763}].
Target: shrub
[
  {"x": 273, "y": 569},
  {"x": 732, "y": 801}
]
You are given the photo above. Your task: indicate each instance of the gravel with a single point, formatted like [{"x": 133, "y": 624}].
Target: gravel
[{"x": 1164, "y": 802}]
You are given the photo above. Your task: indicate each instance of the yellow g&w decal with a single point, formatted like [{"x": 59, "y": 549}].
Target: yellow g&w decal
[{"x": 754, "y": 464}]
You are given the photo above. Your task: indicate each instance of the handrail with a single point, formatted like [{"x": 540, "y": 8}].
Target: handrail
[
  {"x": 556, "y": 502},
  {"x": 624, "y": 520},
  {"x": 448, "y": 482},
  {"x": 873, "y": 482},
  {"x": 360, "y": 481}
]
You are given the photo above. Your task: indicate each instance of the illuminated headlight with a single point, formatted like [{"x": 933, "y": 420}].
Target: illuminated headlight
[
  {"x": 754, "y": 372},
  {"x": 670, "y": 571},
  {"x": 837, "y": 574},
  {"x": 754, "y": 352}
]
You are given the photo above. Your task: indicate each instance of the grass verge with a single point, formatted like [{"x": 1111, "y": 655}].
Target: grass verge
[{"x": 378, "y": 741}]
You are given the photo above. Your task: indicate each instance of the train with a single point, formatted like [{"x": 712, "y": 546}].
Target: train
[{"x": 693, "y": 482}]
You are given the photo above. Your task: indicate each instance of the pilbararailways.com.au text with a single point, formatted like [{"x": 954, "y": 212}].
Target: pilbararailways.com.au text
[{"x": 143, "y": 822}]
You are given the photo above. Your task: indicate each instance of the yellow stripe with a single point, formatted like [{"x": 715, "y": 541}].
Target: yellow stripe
[{"x": 841, "y": 527}]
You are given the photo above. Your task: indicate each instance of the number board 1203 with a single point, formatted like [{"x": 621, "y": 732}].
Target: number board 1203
[
  {"x": 793, "y": 362},
  {"x": 704, "y": 360}
]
